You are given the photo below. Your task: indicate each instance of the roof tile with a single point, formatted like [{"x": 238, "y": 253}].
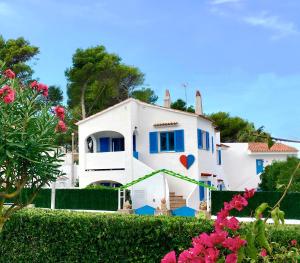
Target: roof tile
[{"x": 263, "y": 147}]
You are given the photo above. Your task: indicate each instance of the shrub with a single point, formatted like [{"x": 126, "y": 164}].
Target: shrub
[
  {"x": 278, "y": 174},
  {"x": 28, "y": 131},
  {"x": 36, "y": 235}
]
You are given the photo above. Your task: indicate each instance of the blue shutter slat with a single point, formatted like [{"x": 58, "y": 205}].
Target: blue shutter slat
[
  {"x": 179, "y": 141},
  {"x": 104, "y": 144},
  {"x": 212, "y": 144},
  {"x": 207, "y": 141},
  {"x": 200, "y": 139},
  {"x": 153, "y": 142}
]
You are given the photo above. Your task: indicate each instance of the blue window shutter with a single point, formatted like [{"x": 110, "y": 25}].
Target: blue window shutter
[
  {"x": 153, "y": 142},
  {"x": 200, "y": 139},
  {"x": 179, "y": 141},
  {"x": 104, "y": 144},
  {"x": 134, "y": 142},
  {"x": 219, "y": 157},
  {"x": 201, "y": 191},
  {"x": 212, "y": 144},
  {"x": 207, "y": 141}
]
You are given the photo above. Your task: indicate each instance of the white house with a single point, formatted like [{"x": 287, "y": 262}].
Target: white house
[
  {"x": 133, "y": 138},
  {"x": 244, "y": 162}
]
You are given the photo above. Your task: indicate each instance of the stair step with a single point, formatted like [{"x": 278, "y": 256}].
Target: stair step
[{"x": 174, "y": 196}]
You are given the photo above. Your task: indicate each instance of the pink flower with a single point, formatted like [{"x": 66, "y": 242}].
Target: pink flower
[
  {"x": 9, "y": 74},
  {"x": 218, "y": 237},
  {"x": 222, "y": 214},
  {"x": 61, "y": 127},
  {"x": 234, "y": 244},
  {"x": 249, "y": 193},
  {"x": 186, "y": 256},
  {"x": 60, "y": 112},
  {"x": 8, "y": 94},
  {"x": 233, "y": 224},
  {"x": 42, "y": 88},
  {"x": 294, "y": 242},
  {"x": 231, "y": 258},
  {"x": 169, "y": 258},
  {"x": 238, "y": 202},
  {"x": 34, "y": 84},
  {"x": 203, "y": 239},
  {"x": 263, "y": 253},
  {"x": 228, "y": 206},
  {"x": 211, "y": 255}
]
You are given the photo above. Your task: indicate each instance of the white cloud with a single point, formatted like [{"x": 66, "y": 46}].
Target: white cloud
[
  {"x": 6, "y": 10},
  {"x": 280, "y": 28},
  {"x": 220, "y": 2}
]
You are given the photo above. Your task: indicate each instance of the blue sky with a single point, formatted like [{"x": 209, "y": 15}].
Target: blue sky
[{"x": 243, "y": 55}]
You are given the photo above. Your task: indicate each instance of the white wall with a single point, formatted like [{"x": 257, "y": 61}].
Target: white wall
[
  {"x": 240, "y": 165},
  {"x": 153, "y": 189}
]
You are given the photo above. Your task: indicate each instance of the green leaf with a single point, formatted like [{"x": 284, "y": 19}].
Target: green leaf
[{"x": 259, "y": 210}]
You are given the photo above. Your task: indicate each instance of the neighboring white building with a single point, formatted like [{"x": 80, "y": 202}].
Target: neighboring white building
[
  {"x": 244, "y": 162},
  {"x": 133, "y": 138}
]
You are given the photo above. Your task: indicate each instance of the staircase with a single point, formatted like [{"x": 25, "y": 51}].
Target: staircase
[{"x": 176, "y": 201}]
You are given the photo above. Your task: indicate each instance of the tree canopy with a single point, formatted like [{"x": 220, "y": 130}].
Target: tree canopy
[
  {"x": 145, "y": 94},
  {"x": 98, "y": 79},
  {"x": 278, "y": 174},
  {"x": 236, "y": 129},
  {"x": 16, "y": 53},
  {"x": 55, "y": 96},
  {"x": 180, "y": 104}
]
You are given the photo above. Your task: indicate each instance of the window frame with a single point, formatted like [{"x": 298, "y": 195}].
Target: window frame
[{"x": 167, "y": 133}]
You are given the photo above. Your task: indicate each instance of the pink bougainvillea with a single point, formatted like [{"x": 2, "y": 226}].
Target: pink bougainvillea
[{"x": 208, "y": 248}]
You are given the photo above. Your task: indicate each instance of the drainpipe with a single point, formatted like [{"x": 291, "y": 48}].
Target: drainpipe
[{"x": 53, "y": 186}]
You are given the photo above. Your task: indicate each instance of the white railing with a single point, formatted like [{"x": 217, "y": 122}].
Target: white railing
[{"x": 106, "y": 160}]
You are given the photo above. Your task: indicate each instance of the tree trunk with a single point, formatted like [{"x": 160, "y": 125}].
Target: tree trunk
[
  {"x": 2, "y": 221},
  {"x": 82, "y": 102}
]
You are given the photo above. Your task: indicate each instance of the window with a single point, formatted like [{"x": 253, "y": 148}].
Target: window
[
  {"x": 203, "y": 139},
  {"x": 259, "y": 166},
  {"x": 219, "y": 157},
  {"x": 118, "y": 144},
  {"x": 167, "y": 142}
]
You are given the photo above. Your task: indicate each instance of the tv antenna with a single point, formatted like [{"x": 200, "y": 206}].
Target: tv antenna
[{"x": 185, "y": 85}]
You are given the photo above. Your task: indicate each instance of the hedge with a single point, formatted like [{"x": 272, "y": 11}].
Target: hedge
[
  {"x": 88, "y": 199},
  {"x": 290, "y": 204},
  {"x": 38, "y": 235}
]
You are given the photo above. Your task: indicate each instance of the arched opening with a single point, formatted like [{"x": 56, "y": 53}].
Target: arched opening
[
  {"x": 105, "y": 141},
  {"x": 107, "y": 183}
]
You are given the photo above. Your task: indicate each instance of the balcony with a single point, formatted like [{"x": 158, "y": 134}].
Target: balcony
[{"x": 105, "y": 161}]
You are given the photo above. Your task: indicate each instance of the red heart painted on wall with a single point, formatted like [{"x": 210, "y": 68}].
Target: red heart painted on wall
[{"x": 187, "y": 160}]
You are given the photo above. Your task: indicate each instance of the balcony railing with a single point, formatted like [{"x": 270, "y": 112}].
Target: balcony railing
[{"x": 106, "y": 160}]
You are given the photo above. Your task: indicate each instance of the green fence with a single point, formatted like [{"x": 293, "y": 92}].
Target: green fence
[
  {"x": 290, "y": 205},
  {"x": 89, "y": 199}
]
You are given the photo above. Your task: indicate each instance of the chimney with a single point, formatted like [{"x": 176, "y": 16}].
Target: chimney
[
  {"x": 198, "y": 106},
  {"x": 167, "y": 99}
]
